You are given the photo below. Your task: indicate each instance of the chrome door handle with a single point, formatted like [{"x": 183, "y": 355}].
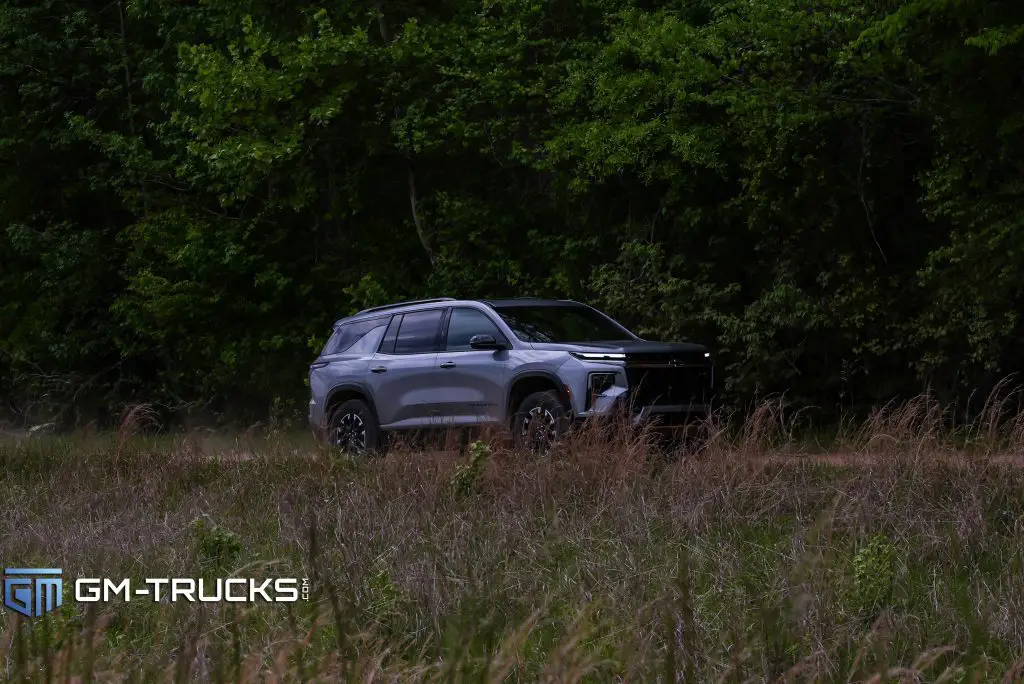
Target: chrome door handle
[
  {"x": 379, "y": 369},
  {"x": 448, "y": 364}
]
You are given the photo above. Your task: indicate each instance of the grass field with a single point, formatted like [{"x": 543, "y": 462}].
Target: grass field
[{"x": 897, "y": 557}]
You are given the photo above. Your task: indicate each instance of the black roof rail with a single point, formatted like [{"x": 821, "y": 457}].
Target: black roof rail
[
  {"x": 408, "y": 303},
  {"x": 542, "y": 299}
]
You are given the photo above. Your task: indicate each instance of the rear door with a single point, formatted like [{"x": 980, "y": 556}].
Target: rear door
[
  {"x": 404, "y": 370},
  {"x": 470, "y": 384}
]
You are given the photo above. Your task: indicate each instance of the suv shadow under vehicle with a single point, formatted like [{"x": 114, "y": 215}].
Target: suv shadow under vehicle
[{"x": 533, "y": 366}]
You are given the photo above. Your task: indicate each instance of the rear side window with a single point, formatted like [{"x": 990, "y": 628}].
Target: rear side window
[
  {"x": 418, "y": 332},
  {"x": 346, "y": 337},
  {"x": 387, "y": 345},
  {"x": 332, "y": 342},
  {"x": 367, "y": 344}
]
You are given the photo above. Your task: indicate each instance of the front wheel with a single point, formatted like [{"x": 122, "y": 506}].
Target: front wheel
[
  {"x": 353, "y": 428},
  {"x": 540, "y": 422}
]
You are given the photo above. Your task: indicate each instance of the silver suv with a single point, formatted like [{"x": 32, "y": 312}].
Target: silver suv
[{"x": 534, "y": 366}]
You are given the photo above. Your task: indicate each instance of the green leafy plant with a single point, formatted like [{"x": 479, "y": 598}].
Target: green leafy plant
[
  {"x": 874, "y": 573},
  {"x": 219, "y": 549},
  {"x": 466, "y": 475}
]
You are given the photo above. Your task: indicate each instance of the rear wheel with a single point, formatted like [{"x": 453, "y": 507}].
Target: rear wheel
[
  {"x": 353, "y": 428},
  {"x": 540, "y": 422}
]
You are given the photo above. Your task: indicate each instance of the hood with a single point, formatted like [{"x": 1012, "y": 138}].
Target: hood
[{"x": 638, "y": 347}]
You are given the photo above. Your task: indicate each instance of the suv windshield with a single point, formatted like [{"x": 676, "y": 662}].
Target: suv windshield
[{"x": 560, "y": 323}]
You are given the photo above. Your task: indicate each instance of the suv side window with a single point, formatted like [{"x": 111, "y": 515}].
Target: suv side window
[
  {"x": 418, "y": 332},
  {"x": 464, "y": 324},
  {"x": 348, "y": 335},
  {"x": 332, "y": 342},
  {"x": 367, "y": 344},
  {"x": 387, "y": 345}
]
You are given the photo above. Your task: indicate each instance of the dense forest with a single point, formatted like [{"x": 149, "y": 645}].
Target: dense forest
[{"x": 827, "y": 192}]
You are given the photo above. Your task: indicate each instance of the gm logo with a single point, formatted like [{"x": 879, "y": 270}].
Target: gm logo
[{"x": 33, "y": 591}]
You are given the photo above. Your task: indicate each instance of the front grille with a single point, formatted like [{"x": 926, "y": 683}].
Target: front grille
[
  {"x": 654, "y": 381},
  {"x": 694, "y": 358}
]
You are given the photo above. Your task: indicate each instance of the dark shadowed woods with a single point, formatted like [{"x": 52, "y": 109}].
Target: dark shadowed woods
[{"x": 828, "y": 193}]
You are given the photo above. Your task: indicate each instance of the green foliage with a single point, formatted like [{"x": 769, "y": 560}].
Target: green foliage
[
  {"x": 383, "y": 598},
  {"x": 829, "y": 194},
  {"x": 874, "y": 576},
  {"x": 219, "y": 548},
  {"x": 466, "y": 475}
]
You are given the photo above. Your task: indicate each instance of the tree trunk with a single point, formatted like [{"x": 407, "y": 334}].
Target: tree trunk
[{"x": 385, "y": 34}]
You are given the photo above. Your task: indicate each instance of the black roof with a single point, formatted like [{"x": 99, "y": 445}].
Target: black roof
[{"x": 527, "y": 301}]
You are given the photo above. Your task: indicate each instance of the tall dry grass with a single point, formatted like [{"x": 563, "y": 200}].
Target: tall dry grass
[{"x": 894, "y": 553}]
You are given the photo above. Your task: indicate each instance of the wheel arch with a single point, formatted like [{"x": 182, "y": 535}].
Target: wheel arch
[
  {"x": 527, "y": 383},
  {"x": 343, "y": 393}
]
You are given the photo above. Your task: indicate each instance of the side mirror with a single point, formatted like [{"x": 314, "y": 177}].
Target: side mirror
[{"x": 485, "y": 342}]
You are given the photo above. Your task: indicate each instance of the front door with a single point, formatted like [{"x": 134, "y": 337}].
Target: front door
[{"x": 471, "y": 383}]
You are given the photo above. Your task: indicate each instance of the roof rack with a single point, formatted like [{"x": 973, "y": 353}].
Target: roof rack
[
  {"x": 527, "y": 299},
  {"x": 408, "y": 303}
]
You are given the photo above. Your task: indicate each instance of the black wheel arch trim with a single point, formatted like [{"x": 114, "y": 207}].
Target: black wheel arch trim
[
  {"x": 351, "y": 387},
  {"x": 547, "y": 375}
]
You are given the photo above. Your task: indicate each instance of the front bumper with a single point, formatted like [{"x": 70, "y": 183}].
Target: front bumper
[
  {"x": 666, "y": 414},
  {"x": 666, "y": 388},
  {"x": 316, "y": 417},
  {"x": 671, "y": 414}
]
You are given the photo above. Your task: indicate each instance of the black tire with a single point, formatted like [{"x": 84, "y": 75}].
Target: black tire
[
  {"x": 540, "y": 422},
  {"x": 353, "y": 429}
]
